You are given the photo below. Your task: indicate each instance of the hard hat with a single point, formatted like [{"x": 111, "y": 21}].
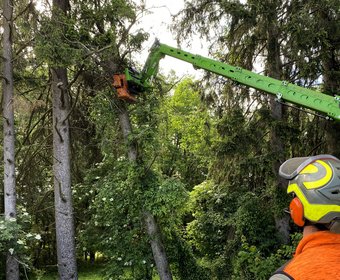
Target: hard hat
[{"x": 315, "y": 182}]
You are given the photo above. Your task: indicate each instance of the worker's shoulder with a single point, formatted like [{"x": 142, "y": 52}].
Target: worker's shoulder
[{"x": 281, "y": 276}]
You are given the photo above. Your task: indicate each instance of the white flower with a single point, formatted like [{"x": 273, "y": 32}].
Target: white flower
[
  {"x": 20, "y": 242},
  {"x": 11, "y": 250},
  {"x": 144, "y": 261},
  {"x": 119, "y": 259},
  {"x": 104, "y": 199},
  {"x": 129, "y": 263},
  {"x": 37, "y": 237},
  {"x": 28, "y": 235}
]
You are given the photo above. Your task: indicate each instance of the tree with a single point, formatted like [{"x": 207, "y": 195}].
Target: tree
[
  {"x": 328, "y": 15},
  {"x": 134, "y": 166},
  {"x": 12, "y": 265},
  {"x": 294, "y": 42},
  {"x": 151, "y": 225},
  {"x": 274, "y": 70},
  {"x": 104, "y": 36},
  {"x": 66, "y": 251}
]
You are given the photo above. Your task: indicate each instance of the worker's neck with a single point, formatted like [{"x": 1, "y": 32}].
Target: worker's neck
[{"x": 308, "y": 230}]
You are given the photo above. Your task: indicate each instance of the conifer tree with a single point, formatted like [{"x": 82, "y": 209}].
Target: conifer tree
[{"x": 66, "y": 251}]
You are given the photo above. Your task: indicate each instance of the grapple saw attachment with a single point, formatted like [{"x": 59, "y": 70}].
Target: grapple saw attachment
[
  {"x": 128, "y": 85},
  {"x": 121, "y": 85}
]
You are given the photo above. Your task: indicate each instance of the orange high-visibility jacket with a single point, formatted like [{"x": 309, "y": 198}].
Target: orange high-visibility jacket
[{"x": 317, "y": 257}]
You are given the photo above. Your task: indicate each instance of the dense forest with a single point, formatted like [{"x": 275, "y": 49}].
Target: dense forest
[{"x": 182, "y": 184}]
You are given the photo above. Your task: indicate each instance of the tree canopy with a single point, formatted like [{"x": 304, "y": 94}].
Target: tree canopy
[{"x": 183, "y": 183}]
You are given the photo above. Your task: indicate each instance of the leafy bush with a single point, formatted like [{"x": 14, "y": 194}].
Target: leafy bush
[{"x": 252, "y": 264}]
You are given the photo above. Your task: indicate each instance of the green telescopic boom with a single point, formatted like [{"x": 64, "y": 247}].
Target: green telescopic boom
[{"x": 284, "y": 91}]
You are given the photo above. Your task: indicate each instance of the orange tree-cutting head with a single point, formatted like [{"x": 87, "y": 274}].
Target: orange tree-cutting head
[{"x": 121, "y": 85}]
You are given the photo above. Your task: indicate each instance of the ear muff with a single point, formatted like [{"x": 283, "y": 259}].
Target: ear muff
[{"x": 296, "y": 212}]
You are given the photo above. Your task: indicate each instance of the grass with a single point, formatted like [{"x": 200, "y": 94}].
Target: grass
[{"x": 85, "y": 272}]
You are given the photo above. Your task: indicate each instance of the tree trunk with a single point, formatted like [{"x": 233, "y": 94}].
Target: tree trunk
[
  {"x": 66, "y": 252},
  {"x": 67, "y": 266},
  {"x": 274, "y": 70},
  {"x": 333, "y": 139},
  {"x": 331, "y": 79},
  {"x": 151, "y": 226},
  {"x": 157, "y": 247},
  {"x": 12, "y": 265}
]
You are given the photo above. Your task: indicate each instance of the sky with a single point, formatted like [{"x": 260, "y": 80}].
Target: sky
[{"x": 157, "y": 25}]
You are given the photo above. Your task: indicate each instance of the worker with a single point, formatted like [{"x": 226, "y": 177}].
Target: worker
[{"x": 315, "y": 184}]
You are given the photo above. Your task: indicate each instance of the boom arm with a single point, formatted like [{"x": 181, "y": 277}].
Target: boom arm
[{"x": 134, "y": 83}]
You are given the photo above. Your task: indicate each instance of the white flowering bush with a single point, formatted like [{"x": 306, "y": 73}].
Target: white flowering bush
[{"x": 16, "y": 240}]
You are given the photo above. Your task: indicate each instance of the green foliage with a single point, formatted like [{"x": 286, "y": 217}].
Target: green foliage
[
  {"x": 255, "y": 222},
  {"x": 211, "y": 231},
  {"x": 251, "y": 263},
  {"x": 18, "y": 237},
  {"x": 57, "y": 44},
  {"x": 116, "y": 227},
  {"x": 205, "y": 171},
  {"x": 120, "y": 192},
  {"x": 222, "y": 219},
  {"x": 163, "y": 198},
  {"x": 184, "y": 263},
  {"x": 186, "y": 131},
  {"x": 9, "y": 229},
  {"x": 243, "y": 169}
]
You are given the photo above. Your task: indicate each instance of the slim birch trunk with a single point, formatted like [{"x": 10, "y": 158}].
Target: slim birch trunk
[
  {"x": 64, "y": 218},
  {"x": 12, "y": 265},
  {"x": 150, "y": 223}
]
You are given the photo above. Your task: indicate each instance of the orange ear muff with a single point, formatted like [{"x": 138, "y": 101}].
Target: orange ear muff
[{"x": 296, "y": 212}]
